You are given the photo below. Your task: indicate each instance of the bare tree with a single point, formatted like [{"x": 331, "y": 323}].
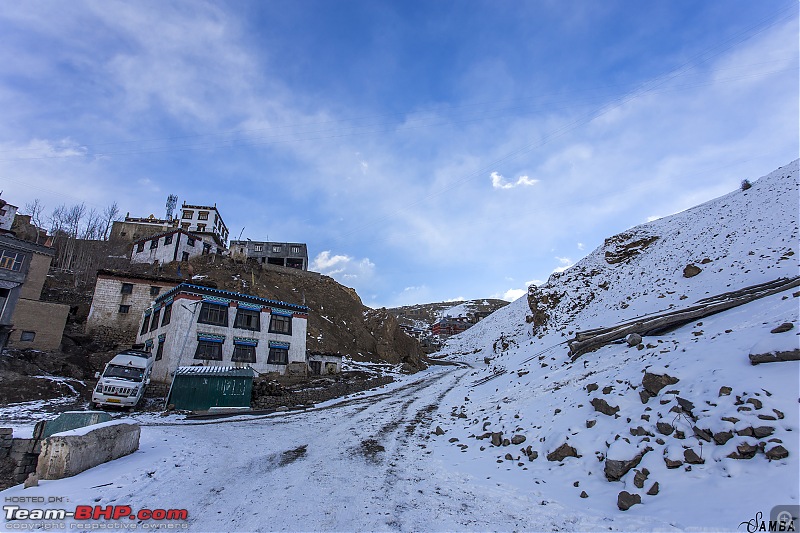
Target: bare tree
[
  {"x": 36, "y": 210},
  {"x": 110, "y": 214}
]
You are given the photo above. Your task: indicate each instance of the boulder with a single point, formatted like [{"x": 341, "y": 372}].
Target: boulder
[
  {"x": 602, "y": 406},
  {"x": 783, "y": 328},
  {"x": 562, "y": 452},
  {"x": 497, "y": 439},
  {"x": 517, "y": 439},
  {"x": 672, "y": 464},
  {"x": 614, "y": 469},
  {"x": 777, "y": 452},
  {"x": 690, "y": 270},
  {"x": 590, "y": 423},
  {"x": 723, "y": 436},
  {"x": 626, "y": 500},
  {"x": 653, "y": 383},
  {"x": 653, "y": 490},
  {"x": 634, "y": 339},
  {"x": 583, "y": 494},
  {"x": 725, "y": 391},
  {"x": 664, "y": 428},
  {"x": 691, "y": 457},
  {"x": 762, "y": 432},
  {"x": 640, "y": 477},
  {"x": 439, "y": 431}
]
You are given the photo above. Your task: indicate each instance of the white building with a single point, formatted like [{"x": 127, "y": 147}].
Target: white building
[
  {"x": 173, "y": 245},
  {"x": 206, "y": 221},
  {"x": 200, "y": 325},
  {"x": 7, "y": 214}
]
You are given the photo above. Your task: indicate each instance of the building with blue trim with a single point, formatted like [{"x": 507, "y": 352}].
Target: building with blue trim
[{"x": 194, "y": 325}]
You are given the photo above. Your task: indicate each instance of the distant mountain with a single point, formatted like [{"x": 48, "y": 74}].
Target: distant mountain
[{"x": 422, "y": 316}]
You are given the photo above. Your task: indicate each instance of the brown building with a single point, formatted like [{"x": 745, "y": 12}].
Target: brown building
[
  {"x": 26, "y": 322},
  {"x": 119, "y": 300}
]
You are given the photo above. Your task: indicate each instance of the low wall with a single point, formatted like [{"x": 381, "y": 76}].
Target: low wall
[
  {"x": 70, "y": 453},
  {"x": 317, "y": 394},
  {"x": 17, "y": 458}
]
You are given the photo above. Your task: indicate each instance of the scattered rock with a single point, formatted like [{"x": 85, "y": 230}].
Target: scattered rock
[
  {"x": 763, "y": 431},
  {"x": 614, "y": 469},
  {"x": 691, "y": 271},
  {"x": 747, "y": 450},
  {"x": 691, "y": 457},
  {"x": 779, "y": 414},
  {"x": 767, "y": 417},
  {"x": 602, "y": 406},
  {"x": 653, "y": 490},
  {"x": 454, "y": 439},
  {"x": 562, "y": 452},
  {"x": 626, "y": 500},
  {"x": 509, "y": 457},
  {"x": 506, "y": 442},
  {"x": 497, "y": 439},
  {"x": 774, "y": 453},
  {"x": 745, "y": 432},
  {"x": 640, "y": 477},
  {"x": 653, "y": 383},
  {"x": 517, "y": 439},
  {"x": 583, "y": 494},
  {"x": 702, "y": 434},
  {"x": 672, "y": 464},
  {"x": 439, "y": 431},
  {"x": 775, "y": 357},
  {"x": 755, "y": 402},
  {"x": 640, "y": 432},
  {"x": 608, "y": 389},
  {"x": 590, "y": 423},
  {"x": 664, "y": 428},
  {"x": 725, "y": 391},
  {"x": 591, "y": 387},
  {"x": 686, "y": 405},
  {"x": 723, "y": 436},
  {"x": 783, "y": 328},
  {"x": 644, "y": 396},
  {"x": 634, "y": 339},
  {"x": 576, "y": 484}
]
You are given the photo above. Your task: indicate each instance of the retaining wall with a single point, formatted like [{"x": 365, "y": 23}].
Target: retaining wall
[{"x": 318, "y": 394}]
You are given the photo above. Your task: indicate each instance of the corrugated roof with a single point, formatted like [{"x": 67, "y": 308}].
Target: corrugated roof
[{"x": 228, "y": 371}]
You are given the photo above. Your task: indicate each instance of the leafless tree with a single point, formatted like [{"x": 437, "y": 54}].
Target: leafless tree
[
  {"x": 110, "y": 214},
  {"x": 36, "y": 211}
]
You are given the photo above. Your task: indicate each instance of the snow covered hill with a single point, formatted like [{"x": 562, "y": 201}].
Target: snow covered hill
[{"x": 690, "y": 428}]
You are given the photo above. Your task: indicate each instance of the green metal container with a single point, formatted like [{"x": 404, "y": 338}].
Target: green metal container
[{"x": 198, "y": 388}]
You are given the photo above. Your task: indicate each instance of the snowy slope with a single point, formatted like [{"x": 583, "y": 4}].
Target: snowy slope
[{"x": 531, "y": 388}]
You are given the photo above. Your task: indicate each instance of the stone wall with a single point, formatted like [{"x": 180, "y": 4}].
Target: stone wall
[
  {"x": 317, "y": 394},
  {"x": 18, "y": 458}
]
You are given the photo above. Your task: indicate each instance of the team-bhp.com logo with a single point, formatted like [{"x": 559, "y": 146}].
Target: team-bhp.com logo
[
  {"x": 96, "y": 512},
  {"x": 781, "y": 518}
]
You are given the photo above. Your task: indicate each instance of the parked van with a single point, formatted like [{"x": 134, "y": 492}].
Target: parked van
[{"x": 124, "y": 379}]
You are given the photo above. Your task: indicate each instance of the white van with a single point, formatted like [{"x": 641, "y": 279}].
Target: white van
[{"x": 124, "y": 379}]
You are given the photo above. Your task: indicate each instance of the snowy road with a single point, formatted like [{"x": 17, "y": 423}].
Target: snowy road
[{"x": 364, "y": 463}]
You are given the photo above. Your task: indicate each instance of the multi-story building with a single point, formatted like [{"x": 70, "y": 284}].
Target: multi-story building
[
  {"x": 191, "y": 324},
  {"x": 7, "y": 214},
  {"x": 25, "y": 321},
  {"x": 206, "y": 221},
  {"x": 119, "y": 300},
  {"x": 132, "y": 228},
  {"x": 173, "y": 245},
  {"x": 287, "y": 254},
  {"x": 447, "y": 326}
]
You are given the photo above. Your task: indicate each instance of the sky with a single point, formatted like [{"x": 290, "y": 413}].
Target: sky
[{"x": 425, "y": 151}]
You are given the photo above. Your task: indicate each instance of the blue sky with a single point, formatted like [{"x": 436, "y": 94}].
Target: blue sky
[{"x": 425, "y": 151}]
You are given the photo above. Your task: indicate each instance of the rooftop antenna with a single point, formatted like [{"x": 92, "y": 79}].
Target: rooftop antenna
[{"x": 172, "y": 200}]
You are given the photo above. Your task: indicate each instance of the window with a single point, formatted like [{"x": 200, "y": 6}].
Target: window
[
  {"x": 243, "y": 353},
  {"x": 276, "y": 248},
  {"x": 140, "y": 247},
  {"x": 156, "y": 316},
  {"x": 216, "y": 219},
  {"x": 27, "y": 336},
  {"x": 127, "y": 288},
  {"x": 208, "y": 350},
  {"x": 247, "y": 319},
  {"x": 206, "y": 248},
  {"x": 280, "y": 324},
  {"x": 167, "y": 314},
  {"x": 168, "y": 239},
  {"x": 295, "y": 249},
  {"x": 190, "y": 241},
  {"x": 154, "y": 244},
  {"x": 124, "y": 309},
  {"x": 278, "y": 356},
  {"x": 188, "y": 214},
  {"x": 258, "y": 247},
  {"x": 202, "y": 215},
  {"x": 185, "y": 226},
  {"x": 201, "y": 227},
  {"x": 160, "y": 349},
  {"x": 214, "y": 314},
  {"x": 145, "y": 325},
  {"x": 11, "y": 260},
  {"x": 185, "y": 256},
  {"x": 154, "y": 290}
]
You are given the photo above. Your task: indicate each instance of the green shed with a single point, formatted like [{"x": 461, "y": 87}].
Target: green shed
[{"x": 198, "y": 388}]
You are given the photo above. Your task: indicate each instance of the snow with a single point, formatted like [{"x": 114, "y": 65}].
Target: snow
[{"x": 370, "y": 461}]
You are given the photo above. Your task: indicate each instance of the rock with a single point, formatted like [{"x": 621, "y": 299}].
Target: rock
[
  {"x": 755, "y": 402},
  {"x": 779, "y": 414},
  {"x": 705, "y": 261},
  {"x": 686, "y": 405},
  {"x": 509, "y": 457},
  {"x": 591, "y": 387},
  {"x": 745, "y": 432},
  {"x": 590, "y": 423},
  {"x": 767, "y": 417},
  {"x": 33, "y": 480},
  {"x": 661, "y": 441},
  {"x": 644, "y": 396},
  {"x": 664, "y": 428},
  {"x": 702, "y": 434},
  {"x": 583, "y": 494},
  {"x": 672, "y": 464},
  {"x": 517, "y": 439},
  {"x": 763, "y": 431},
  {"x": 783, "y": 328},
  {"x": 653, "y": 490},
  {"x": 723, "y": 436},
  {"x": 691, "y": 457},
  {"x": 497, "y": 439},
  {"x": 640, "y": 432},
  {"x": 562, "y": 452},
  {"x": 725, "y": 391},
  {"x": 640, "y": 477},
  {"x": 626, "y": 500},
  {"x": 576, "y": 484},
  {"x": 774, "y": 453},
  {"x": 653, "y": 383},
  {"x": 439, "y": 431},
  {"x": 747, "y": 450},
  {"x": 614, "y": 469},
  {"x": 506, "y": 442},
  {"x": 634, "y": 339},
  {"x": 454, "y": 439},
  {"x": 691, "y": 271},
  {"x": 775, "y": 357},
  {"x": 533, "y": 456},
  {"x": 608, "y": 389},
  {"x": 602, "y": 406},
  {"x": 731, "y": 419}
]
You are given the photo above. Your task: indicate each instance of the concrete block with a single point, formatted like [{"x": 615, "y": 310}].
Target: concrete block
[
  {"x": 67, "y": 454},
  {"x": 74, "y": 420}
]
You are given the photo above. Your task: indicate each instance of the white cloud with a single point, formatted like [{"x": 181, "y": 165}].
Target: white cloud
[
  {"x": 456, "y": 299},
  {"x": 580, "y": 246},
  {"x": 566, "y": 262},
  {"x": 512, "y": 294},
  {"x": 343, "y": 268},
  {"x": 499, "y": 182}
]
